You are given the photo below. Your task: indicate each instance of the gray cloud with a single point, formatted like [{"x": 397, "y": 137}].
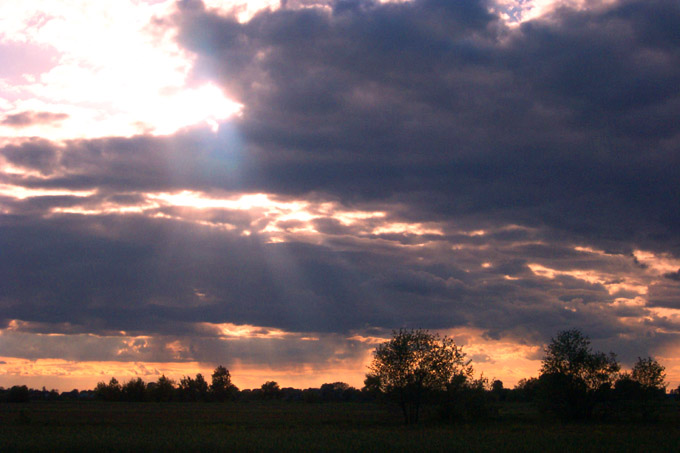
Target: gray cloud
[
  {"x": 24, "y": 119},
  {"x": 551, "y": 135},
  {"x": 104, "y": 274},
  {"x": 554, "y": 122},
  {"x": 275, "y": 352}
]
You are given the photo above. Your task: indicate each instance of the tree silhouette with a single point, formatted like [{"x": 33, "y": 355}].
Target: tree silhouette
[
  {"x": 499, "y": 392},
  {"x": 18, "y": 394},
  {"x": 270, "y": 390},
  {"x": 636, "y": 395},
  {"x": 108, "y": 392},
  {"x": 136, "y": 390},
  {"x": 193, "y": 389},
  {"x": 372, "y": 386},
  {"x": 650, "y": 374},
  {"x": 336, "y": 391},
  {"x": 570, "y": 354},
  {"x": 221, "y": 388},
  {"x": 573, "y": 376},
  {"x": 412, "y": 363},
  {"x": 162, "y": 390}
]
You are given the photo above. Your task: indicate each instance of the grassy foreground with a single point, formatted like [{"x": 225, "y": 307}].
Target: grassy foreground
[{"x": 276, "y": 426}]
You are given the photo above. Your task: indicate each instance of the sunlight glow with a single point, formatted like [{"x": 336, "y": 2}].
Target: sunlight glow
[
  {"x": 514, "y": 12},
  {"x": 111, "y": 71},
  {"x": 21, "y": 193},
  {"x": 244, "y": 10},
  {"x": 229, "y": 330},
  {"x": 406, "y": 228},
  {"x": 278, "y": 219},
  {"x": 104, "y": 209}
]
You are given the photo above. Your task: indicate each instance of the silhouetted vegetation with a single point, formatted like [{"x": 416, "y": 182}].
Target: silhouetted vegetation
[
  {"x": 414, "y": 366},
  {"x": 193, "y": 389},
  {"x": 18, "y": 394},
  {"x": 276, "y": 425},
  {"x": 427, "y": 379},
  {"x": 573, "y": 377}
]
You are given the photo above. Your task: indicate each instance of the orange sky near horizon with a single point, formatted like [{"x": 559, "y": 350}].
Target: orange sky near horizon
[
  {"x": 124, "y": 149},
  {"x": 492, "y": 359}
]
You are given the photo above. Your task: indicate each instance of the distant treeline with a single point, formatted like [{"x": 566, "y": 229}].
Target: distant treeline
[
  {"x": 189, "y": 389},
  {"x": 417, "y": 369}
]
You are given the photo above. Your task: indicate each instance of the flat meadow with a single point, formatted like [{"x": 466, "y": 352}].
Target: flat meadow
[{"x": 297, "y": 426}]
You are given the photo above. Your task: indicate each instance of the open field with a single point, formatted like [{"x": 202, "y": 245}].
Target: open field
[{"x": 276, "y": 426}]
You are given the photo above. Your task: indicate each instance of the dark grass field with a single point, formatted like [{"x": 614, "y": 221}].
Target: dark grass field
[{"x": 278, "y": 426}]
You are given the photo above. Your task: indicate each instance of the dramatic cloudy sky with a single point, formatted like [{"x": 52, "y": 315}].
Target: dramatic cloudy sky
[{"x": 275, "y": 186}]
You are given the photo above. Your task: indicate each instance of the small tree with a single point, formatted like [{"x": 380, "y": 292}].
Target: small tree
[
  {"x": 136, "y": 390},
  {"x": 270, "y": 390},
  {"x": 525, "y": 390},
  {"x": 109, "y": 392},
  {"x": 336, "y": 391},
  {"x": 193, "y": 389},
  {"x": 161, "y": 391},
  {"x": 372, "y": 388},
  {"x": 221, "y": 388},
  {"x": 18, "y": 394},
  {"x": 499, "y": 392},
  {"x": 650, "y": 374},
  {"x": 414, "y": 362}
]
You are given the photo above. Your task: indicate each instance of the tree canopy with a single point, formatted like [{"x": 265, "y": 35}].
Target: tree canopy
[
  {"x": 413, "y": 362},
  {"x": 649, "y": 373},
  {"x": 221, "y": 387},
  {"x": 570, "y": 354},
  {"x": 573, "y": 376}
]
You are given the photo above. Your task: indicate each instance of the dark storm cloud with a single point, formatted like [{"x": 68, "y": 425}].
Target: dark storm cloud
[
  {"x": 144, "y": 275},
  {"x": 192, "y": 160},
  {"x": 24, "y": 119},
  {"x": 103, "y": 274},
  {"x": 558, "y": 133},
  {"x": 569, "y": 122},
  {"x": 36, "y": 154}
]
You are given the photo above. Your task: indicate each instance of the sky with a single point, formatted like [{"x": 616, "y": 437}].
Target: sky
[{"x": 277, "y": 186}]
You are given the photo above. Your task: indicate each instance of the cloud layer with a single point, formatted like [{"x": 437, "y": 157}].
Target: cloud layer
[{"x": 419, "y": 164}]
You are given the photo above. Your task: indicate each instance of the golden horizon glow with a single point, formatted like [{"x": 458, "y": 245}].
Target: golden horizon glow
[{"x": 505, "y": 359}]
